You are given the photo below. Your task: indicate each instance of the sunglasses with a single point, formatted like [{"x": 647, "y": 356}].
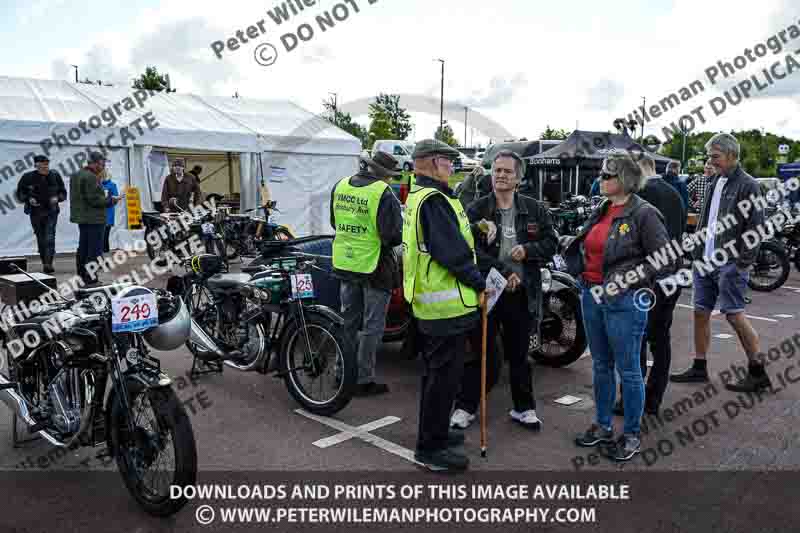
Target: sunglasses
[{"x": 605, "y": 176}]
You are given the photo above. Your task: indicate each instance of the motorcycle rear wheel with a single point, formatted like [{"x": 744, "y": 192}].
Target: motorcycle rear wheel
[
  {"x": 771, "y": 257},
  {"x": 563, "y": 339}
]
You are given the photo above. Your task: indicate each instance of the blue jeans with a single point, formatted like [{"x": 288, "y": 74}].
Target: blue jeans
[{"x": 614, "y": 328}]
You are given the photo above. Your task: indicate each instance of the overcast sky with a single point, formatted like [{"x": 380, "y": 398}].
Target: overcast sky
[{"x": 518, "y": 65}]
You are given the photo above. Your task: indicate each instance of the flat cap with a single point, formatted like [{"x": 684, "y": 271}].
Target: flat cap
[
  {"x": 430, "y": 147},
  {"x": 95, "y": 157},
  {"x": 41, "y": 159}
]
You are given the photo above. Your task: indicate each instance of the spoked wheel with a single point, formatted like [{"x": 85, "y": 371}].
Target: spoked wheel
[
  {"x": 157, "y": 252},
  {"x": 563, "y": 339},
  {"x": 319, "y": 370},
  {"x": 771, "y": 268},
  {"x": 159, "y": 453}
]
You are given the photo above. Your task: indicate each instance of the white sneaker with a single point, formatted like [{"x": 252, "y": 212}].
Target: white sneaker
[
  {"x": 526, "y": 418},
  {"x": 461, "y": 419}
]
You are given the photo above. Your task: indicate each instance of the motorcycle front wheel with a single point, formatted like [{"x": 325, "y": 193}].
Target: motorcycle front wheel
[
  {"x": 563, "y": 339},
  {"x": 319, "y": 367},
  {"x": 161, "y": 451},
  {"x": 771, "y": 268}
]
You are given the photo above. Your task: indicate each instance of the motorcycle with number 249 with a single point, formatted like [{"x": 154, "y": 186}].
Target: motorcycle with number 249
[{"x": 96, "y": 343}]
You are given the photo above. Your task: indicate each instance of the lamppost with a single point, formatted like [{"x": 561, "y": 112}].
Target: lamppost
[
  {"x": 465, "y": 126},
  {"x": 441, "y": 101},
  {"x": 76, "y": 72}
]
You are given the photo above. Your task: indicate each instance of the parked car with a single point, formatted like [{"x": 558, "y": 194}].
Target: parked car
[
  {"x": 468, "y": 163},
  {"x": 400, "y": 150}
]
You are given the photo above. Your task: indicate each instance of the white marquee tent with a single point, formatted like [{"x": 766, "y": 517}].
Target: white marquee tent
[{"x": 302, "y": 156}]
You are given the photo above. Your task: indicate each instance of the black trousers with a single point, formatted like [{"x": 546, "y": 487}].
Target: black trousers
[
  {"x": 443, "y": 366},
  {"x": 90, "y": 248},
  {"x": 657, "y": 335},
  {"x": 44, "y": 227},
  {"x": 659, "y": 323},
  {"x": 510, "y": 312},
  {"x": 106, "y": 247}
]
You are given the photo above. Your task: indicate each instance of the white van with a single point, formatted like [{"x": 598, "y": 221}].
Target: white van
[{"x": 400, "y": 150}]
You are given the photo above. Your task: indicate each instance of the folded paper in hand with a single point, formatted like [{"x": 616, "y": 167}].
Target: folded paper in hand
[{"x": 496, "y": 282}]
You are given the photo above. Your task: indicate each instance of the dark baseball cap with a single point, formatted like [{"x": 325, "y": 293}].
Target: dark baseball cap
[
  {"x": 41, "y": 159},
  {"x": 96, "y": 157}
]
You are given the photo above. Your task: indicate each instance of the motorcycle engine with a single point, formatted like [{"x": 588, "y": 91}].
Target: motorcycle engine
[{"x": 64, "y": 391}]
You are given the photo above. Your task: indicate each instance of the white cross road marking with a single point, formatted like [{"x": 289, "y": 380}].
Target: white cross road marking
[
  {"x": 784, "y": 316},
  {"x": 723, "y": 336},
  {"x": 367, "y": 437},
  {"x": 359, "y": 431}
]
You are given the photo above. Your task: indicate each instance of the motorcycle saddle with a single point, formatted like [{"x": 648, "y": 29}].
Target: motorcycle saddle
[{"x": 223, "y": 282}]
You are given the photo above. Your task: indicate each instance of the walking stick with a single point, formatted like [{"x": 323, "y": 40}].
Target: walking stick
[{"x": 483, "y": 378}]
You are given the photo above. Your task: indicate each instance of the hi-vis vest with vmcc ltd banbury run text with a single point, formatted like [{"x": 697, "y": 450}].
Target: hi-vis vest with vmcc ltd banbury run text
[
  {"x": 434, "y": 293},
  {"x": 357, "y": 245}
]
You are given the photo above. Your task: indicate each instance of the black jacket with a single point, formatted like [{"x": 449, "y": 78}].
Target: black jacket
[
  {"x": 740, "y": 187},
  {"x": 667, "y": 200},
  {"x": 628, "y": 250},
  {"x": 442, "y": 237},
  {"x": 42, "y": 188},
  {"x": 535, "y": 232},
  {"x": 390, "y": 230}
]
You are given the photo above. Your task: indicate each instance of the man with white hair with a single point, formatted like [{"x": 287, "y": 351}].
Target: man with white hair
[{"x": 731, "y": 204}]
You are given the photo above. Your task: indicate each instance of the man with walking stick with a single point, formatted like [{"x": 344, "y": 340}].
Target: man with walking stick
[{"x": 442, "y": 283}]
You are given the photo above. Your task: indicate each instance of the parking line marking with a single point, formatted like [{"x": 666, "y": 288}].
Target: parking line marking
[
  {"x": 716, "y": 312},
  {"x": 360, "y": 430},
  {"x": 784, "y": 316},
  {"x": 792, "y": 288},
  {"x": 379, "y": 442},
  {"x": 723, "y": 336}
]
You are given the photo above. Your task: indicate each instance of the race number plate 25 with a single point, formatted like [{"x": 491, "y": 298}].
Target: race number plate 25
[
  {"x": 208, "y": 228},
  {"x": 134, "y": 313},
  {"x": 302, "y": 286}
]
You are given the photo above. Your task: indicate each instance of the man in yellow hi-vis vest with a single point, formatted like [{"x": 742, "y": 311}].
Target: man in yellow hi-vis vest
[
  {"x": 442, "y": 283},
  {"x": 368, "y": 221}
]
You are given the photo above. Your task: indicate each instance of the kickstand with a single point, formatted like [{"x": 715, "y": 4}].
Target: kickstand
[
  {"x": 16, "y": 442},
  {"x": 205, "y": 367}
]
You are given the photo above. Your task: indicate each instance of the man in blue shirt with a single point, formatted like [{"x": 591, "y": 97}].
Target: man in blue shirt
[
  {"x": 112, "y": 188},
  {"x": 671, "y": 177}
]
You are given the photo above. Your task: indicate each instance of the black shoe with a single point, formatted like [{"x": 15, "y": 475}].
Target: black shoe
[
  {"x": 691, "y": 375},
  {"x": 618, "y": 409},
  {"x": 750, "y": 383},
  {"x": 623, "y": 449},
  {"x": 594, "y": 435},
  {"x": 48, "y": 269},
  {"x": 748, "y": 300},
  {"x": 371, "y": 389},
  {"x": 455, "y": 438},
  {"x": 445, "y": 460}
]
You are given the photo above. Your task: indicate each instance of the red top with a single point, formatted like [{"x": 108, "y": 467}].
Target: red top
[{"x": 595, "y": 243}]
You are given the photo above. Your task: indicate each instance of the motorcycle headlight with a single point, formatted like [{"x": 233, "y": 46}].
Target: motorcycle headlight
[{"x": 547, "y": 280}]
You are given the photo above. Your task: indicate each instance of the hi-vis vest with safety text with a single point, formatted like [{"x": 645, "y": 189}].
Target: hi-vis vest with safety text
[
  {"x": 434, "y": 293},
  {"x": 357, "y": 245}
]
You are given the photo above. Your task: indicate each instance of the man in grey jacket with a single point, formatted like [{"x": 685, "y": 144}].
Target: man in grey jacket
[{"x": 734, "y": 207}]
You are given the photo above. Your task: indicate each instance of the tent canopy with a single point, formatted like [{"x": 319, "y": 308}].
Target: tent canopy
[
  {"x": 590, "y": 147},
  {"x": 300, "y": 155}
]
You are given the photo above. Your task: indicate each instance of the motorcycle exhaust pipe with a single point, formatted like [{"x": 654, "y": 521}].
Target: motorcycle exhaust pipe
[
  {"x": 200, "y": 338},
  {"x": 17, "y": 404}
]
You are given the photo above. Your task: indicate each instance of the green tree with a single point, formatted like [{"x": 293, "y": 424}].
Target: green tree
[
  {"x": 345, "y": 122},
  {"x": 388, "y": 107},
  {"x": 446, "y": 135},
  {"x": 550, "y": 134},
  {"x": 151, "y": 80},
  {"x": 380, "y": 127}
]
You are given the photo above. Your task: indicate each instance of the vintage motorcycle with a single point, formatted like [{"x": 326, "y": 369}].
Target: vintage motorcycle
[
  {"x": 243, "y": 233},
  {"x": 166, "y": 231},
  {"x": 95, "y": 344},
  {"x": 264, "y": 319}
]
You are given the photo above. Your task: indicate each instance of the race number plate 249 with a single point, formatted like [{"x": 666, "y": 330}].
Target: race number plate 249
[
  {"x": 134, "y": 313},
  {"x": 302, "y": 286}
]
